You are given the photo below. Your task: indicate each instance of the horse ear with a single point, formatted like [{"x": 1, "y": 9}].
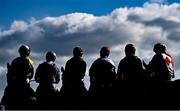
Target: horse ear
[
  {"x": 8, "y": 65},
  {"x": 62, "y": 69}
]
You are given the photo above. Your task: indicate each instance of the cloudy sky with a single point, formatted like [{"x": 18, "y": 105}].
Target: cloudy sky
[{"x": 59, "y": 26}]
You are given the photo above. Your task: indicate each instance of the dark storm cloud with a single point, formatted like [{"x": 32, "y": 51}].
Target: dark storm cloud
[
  {"x": 134, "y": 18},
  {"x": 160, "y": 22},
  {"x": 63, "y": 36},
  {"x": 167, "y": 25},
  {"x": 174, "y": 36},
  {"x": 5, "y": 57}
]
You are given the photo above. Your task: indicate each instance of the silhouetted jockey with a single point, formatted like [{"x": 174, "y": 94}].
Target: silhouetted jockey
[
  {"x": 18, "y": 93},
  {"x": 130, "y": 67},
  {"x": 47, "y": 75},
  {"x": 160, "y": 70},
  {"x": 130, "y": 75},
  {"x": 72, "y": 77},
  {"x": 102, "y": 74},
  {"x": 161, "y": 67}
]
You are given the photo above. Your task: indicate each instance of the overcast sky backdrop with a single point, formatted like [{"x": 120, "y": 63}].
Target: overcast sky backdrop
[{"x": 60, "y": 25}]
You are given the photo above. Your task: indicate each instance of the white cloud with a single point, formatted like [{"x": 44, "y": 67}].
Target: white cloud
[{"x": 19, "y": 25}]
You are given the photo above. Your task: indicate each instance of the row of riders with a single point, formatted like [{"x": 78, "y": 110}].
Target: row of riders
[{"x": 134, "y": 80}]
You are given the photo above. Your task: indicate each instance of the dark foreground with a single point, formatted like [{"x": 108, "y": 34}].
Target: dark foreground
[{"x": 123, "y": 96}]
